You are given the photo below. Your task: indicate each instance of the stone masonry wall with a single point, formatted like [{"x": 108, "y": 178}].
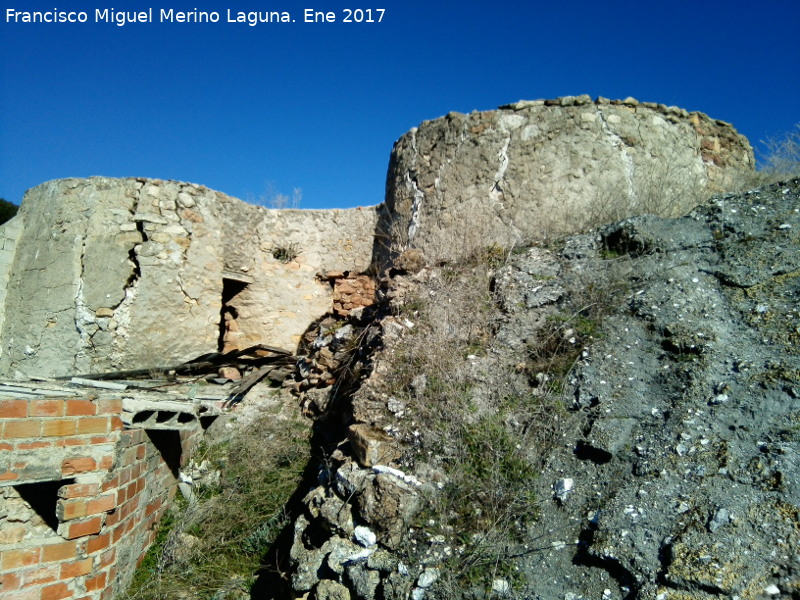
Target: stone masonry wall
[
  {"x": 137, "y": 273},
  {"x": 539, "y": 168},
  {"x": 9, "y": 232},
  {"x": 80, "y": 496},
  {"x": 131, "y": 273}
]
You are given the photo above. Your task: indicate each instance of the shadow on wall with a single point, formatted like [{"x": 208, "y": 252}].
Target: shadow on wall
[
  {"x": 168, "y": 444},
  {"x": 43, "y": 499}
]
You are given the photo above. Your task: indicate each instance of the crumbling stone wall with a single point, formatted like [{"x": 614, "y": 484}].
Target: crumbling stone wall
[
  {"x": 533, "y": 169},
  {"x": 126, "y": 273},
  {"x": 129, "y": 273},
  {"x": 9, "y": 232},
  {"x": 80, "y": 495},
  {"x": 108, "y": 270},
  {"x": 351, "y": 291}
]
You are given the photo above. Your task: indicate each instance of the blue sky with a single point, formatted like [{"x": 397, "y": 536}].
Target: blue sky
[{"x": 318, "y": 106}]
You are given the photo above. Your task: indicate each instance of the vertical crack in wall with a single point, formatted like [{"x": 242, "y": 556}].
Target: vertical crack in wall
[
  {"x": 417, "y": 194},
  {"x": 496, "y": 191},
  {"x": 136, "y": 271},
  {"x": 416, "y": 208},
  {"x": 188, "y": 298},
  {"x": 85, "y": 323},
  {"x": 500, "y": 193},
  {"x": 122, "y": 311},
  {"x": 627, "y": 161}
]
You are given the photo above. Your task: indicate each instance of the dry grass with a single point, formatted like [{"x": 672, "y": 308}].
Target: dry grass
[
  {"x": 213, "y": 547},
  {"x": 780, "y": 158},
  {"x": 473, "y": 419},
  {"x": 483, "y": 416}
]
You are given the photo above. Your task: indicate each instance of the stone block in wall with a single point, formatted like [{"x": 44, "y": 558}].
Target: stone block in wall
[
  {"x": 371, "y": 446},
  {"x": 351, "y": 291}
]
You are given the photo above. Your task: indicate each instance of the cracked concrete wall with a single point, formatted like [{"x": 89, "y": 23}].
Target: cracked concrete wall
[
  {"x": 535, "y": 169},
  {"x": 9, "y": 232},
  {"x": 128, "y": 273}
]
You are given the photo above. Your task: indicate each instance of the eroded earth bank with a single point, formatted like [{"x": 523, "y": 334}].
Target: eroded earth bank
[{"x": 615, "y": 415}]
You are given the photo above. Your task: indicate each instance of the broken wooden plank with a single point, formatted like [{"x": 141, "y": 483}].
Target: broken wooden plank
[
  {"x": 245, "y": 384},
  {"x": 106, "y": 385},
  {"x": 204, "y": 364}
]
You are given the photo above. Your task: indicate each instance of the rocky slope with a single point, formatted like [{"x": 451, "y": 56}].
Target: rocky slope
[{"x": 615, "y": 416}]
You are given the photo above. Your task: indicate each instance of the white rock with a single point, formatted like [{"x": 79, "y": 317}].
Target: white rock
[
  {"x": 721, "y": 518},
  {"x": 365, "y": 536},
  {"x": 417, "y": 594},
  {"x": 396, "y": 473},
  {"x": 563, "y": 487},
  {"x": 427, "y": 578},
  {"x": 359, "y": 556},
  {"x": 501, "y": 587}
]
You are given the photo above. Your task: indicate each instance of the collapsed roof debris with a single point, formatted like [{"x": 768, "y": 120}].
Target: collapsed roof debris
[{"x": 259, "y": 362}]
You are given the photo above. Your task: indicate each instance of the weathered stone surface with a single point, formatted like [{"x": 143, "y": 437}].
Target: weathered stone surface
[
  {"x": 681, "y": 486},
  {"x": 157, "y": 255},
  {"x": 331, "y": 590},
  {"x": 388, "y": 503},
  {"x": 334, "y": 512},
  {"x": 9, "y": 232},
  {"x": 165, "y": 255},
  {"x": 363, "y": 581},
  {"x": 669, "y": 471},
  {"x": 309, "y": 560},
  {"x": 372, "y": 446},
  {"x": 531, "y": 170},
  {"x": 105, "y": 273}
]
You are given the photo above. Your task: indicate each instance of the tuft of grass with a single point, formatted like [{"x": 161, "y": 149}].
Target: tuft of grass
[
  {"x": 478, "y": 438},
  {"x": 286, "y": 253}
]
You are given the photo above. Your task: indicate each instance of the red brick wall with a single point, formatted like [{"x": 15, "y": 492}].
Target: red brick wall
[{"x": 116, "y": 485}]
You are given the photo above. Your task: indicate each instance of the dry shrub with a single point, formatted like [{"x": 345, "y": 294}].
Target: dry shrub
[
  {"x": 781, "y": 156},
  {"x": 484, "y": 416},
  {"x": 478, "y": 432},
  {"x": 664, "y": 187},
  {"x": 778, "y": 158}
]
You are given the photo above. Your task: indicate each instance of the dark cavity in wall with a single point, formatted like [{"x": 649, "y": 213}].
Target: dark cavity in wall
[
  {"x": 168, "y": 444},
  {"x": 43, "y": 498},
  {"x": 228, "y": 314}
]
